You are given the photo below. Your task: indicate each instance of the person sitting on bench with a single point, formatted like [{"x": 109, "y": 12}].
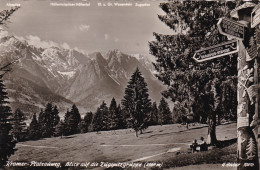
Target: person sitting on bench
[
  {"x": 193, "y": 146},
  {"x": 203, "y": 145}
]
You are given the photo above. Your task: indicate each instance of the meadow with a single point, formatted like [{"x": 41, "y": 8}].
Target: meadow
[{"x": 159, "y": 147}]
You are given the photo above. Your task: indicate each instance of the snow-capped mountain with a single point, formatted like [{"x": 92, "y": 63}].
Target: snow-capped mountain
[{"x": 65, "y": 76}]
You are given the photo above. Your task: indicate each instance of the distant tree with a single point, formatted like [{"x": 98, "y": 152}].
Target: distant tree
[
  {"x": 82, "y": 126},
  {"x": 48, "y": 119},
  {"x": 121, "y": 118},
  {"x": 113, "y": 115},
  {"x": 164, "y": 110},
  {"x": 154, "y": 115},
  {"x": 19, "y": 126},
  {"x": 55, "y": 118},
  {"x": 34, "y": 129},
  {"x": 100, "y": 122},
  {"x": 136, "y": 102},
  {"x": 127, "y": 118},
  {"x": 72, "y": 120},
  {"x": 60, "y": 129},
  {"x": 45, "y": 121},
  {"x": 41, "y": 120},
  {"x": 179, "y": 112},
  {"x": 88, "y": 120}
]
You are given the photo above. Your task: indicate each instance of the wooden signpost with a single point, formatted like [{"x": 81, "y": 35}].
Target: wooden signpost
[
  {"x": 231, "y": 28},
  {"x": 255, "y": 16},
  {"x": 247, "y": 67},
  {"x": 216, "y": 51}
]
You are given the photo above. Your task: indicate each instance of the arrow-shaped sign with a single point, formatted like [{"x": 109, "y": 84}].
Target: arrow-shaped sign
[
  {"x": 231, "y": 28},
  {"x": 216, "y": 51},
  {"x": 255, "y": 16}
]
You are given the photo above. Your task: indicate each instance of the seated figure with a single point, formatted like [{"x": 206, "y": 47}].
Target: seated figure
[
  {"x": 194, "y": 146},
  {"x": 203, "y": 145}
]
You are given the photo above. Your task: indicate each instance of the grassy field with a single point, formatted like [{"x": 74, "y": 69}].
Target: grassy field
[{"x": 158, "y": 144}]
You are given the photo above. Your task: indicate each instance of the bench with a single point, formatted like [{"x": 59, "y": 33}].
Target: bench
[{"x": 198, "y": 147}]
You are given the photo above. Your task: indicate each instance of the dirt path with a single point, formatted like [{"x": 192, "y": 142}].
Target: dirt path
[
  {"x": 50, "y": 147},
  {"x": 151, "y": 156},
  {"x": 149, "y": 144}
]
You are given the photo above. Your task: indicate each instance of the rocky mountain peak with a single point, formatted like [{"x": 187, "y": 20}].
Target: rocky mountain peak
[
  {"x": 62, "y": 75},
  {"x": 12, "y": 42}
]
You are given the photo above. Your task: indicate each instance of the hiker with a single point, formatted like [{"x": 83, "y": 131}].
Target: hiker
[
  {"x": 194, "y": 146},
  {"x": 203, "y": 145}
]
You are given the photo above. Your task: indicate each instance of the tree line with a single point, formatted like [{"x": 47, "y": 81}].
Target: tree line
[
  {"x": 135, "y": 111},
  {"x": 143, "y": 114}
]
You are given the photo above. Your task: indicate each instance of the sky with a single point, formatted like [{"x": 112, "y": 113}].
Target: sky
[{"x": 88, "y": 26}]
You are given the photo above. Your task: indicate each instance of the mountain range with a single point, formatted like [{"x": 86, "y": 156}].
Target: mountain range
[{"x": 66, "y": 76}]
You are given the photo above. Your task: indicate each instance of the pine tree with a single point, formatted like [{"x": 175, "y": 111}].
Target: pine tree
[
  {"x": 45, "y": 121},
  {"x": 121, "y": 118},
  {"x": 113, "y": 115},
  {"x": 179, "y": 112},
  {"x": 154, "y": 115},
  {"x": 136, "y": 102},
  {"x": 72, "y": 120},
  {"x": 19, "y": 125},
  {"x": 34, "y": 129},
  {"x": 55, "y": 118},
  {"x": 41, "y": 120},
  {"x": 88, "y": 120},
  {"x": 195, "y": 26},
  {"x": 100, "y": 120},
  {"x": 7, "y": 143},
  {"x": 82, "y": 126},
  {"x": 60, "y": 129},
  {"x": 48, "y": 119},
  {"x": 127, "y": 118},
  {"x": 164, "y": 110},
  {"x": 66, "y": 123}
]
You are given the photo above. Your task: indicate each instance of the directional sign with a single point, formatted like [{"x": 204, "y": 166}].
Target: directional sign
[
  {"x": 231, "y": 28},
  {"x": 216, "y": 51},
  {"x": 255, "y": 16}
]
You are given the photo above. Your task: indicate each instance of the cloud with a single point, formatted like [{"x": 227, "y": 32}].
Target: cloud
[
  {"x": 106, "y": 36},
  {"x": 65, "y": 46},
  {"x": 3, "y": 33},
  {"x": 37, "y": 42},
  {"x": 84, "y": 27},
  {"x": 80, "y": 50},
  {"x": 116, "y": 39}
]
